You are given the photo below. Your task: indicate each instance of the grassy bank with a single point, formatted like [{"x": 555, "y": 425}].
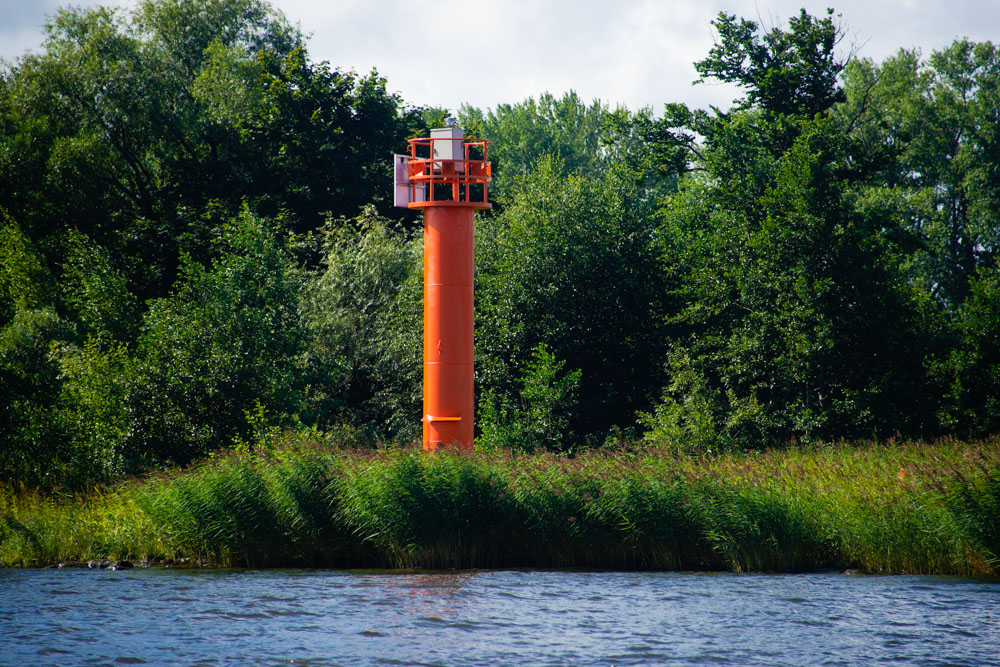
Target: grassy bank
[{"x": 900, "y": 508}]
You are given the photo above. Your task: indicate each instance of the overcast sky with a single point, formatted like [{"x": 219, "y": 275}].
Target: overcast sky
[{"x": 632, "y": 52}]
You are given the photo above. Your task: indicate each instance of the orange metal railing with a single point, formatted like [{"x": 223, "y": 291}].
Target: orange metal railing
[{"x": 449, "y": 182}]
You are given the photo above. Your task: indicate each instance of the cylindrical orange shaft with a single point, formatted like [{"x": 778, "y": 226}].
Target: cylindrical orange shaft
[{"x": 448, "y": 326}]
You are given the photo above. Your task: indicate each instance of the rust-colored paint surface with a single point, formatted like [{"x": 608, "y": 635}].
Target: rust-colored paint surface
[
  {"x": 455, "y": 189},
  {"x": 448, "y": 326}
]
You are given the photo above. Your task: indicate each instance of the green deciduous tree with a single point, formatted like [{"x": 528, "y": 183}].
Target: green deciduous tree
[
  {"x": 924, "y": 134},
  {"x": 146, "y": 306},
  {"x": 928, "y": 131},
  {"x": 971, "y": 405},
  {"x": 33, "y": 449},
  {"x": 31, "y": 333},
  {"x": 364, "y": 312},
  {"x": 801, "y": 319},
  {"x": 539, "y": 417},
  {"x": 785, "y": 72},
  {"x": 146, "y": 130},
  {"x": 93, "y": 413},
  {"x": 565, "y": 128},
  {"x": 97, "y": 294},
  {"x": 227, "y": 339},
  {"x": 572, "y": 262}
]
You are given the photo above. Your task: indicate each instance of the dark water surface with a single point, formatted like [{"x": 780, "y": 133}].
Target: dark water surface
[{"x": 306, "y": 617}]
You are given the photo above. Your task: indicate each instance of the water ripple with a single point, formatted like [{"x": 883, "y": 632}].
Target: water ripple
[{"x": 323, "y": 618}]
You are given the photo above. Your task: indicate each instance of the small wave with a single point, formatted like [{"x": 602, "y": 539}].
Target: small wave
[
  {"x": 508, "y": 594},
  {"x": 291, "y": 612},
  {"x": 240, "y": 616},
  {"x": 808, "y": 622},
  {"x": 963, "y": 633},
  {"x": 275, "y": 598}
]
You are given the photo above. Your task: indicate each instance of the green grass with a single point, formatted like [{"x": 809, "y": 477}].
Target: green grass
[
  {"x": 890, "y": 508},
  {"x": 41, "y": 530}
]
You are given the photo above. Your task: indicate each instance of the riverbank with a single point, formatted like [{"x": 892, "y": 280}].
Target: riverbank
[{"x": 920, "y": 508}]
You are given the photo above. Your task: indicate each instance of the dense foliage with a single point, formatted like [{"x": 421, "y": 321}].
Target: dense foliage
[
  {"x": 909, "y": 507},
  {"x": 196, "y": 249}
]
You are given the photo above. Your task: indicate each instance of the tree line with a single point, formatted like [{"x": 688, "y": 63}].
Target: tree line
[{"x": 198, "y": 251}]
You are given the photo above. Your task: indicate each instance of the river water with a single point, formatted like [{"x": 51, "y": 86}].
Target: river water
[{"x": 315, "y": 617}]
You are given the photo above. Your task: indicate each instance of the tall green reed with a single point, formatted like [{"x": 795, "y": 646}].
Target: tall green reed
[{"x": 910, "y": 507}]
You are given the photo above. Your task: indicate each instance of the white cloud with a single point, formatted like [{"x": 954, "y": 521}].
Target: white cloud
[{"x": 633, "y": 52}]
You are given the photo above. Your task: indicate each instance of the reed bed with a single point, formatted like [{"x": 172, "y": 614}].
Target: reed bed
[{"x": 888, "y": 508}]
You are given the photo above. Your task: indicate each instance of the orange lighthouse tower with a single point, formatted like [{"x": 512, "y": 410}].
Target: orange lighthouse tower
[{"x": 446, "y": 175}]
